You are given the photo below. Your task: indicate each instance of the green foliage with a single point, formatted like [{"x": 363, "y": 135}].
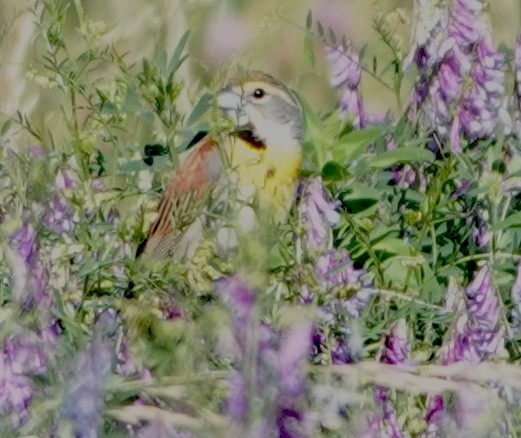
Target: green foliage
[{"x": 402, "y": 221}]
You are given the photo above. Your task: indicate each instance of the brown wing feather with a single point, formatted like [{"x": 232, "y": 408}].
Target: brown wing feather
[{"x": 198, "y": 173}]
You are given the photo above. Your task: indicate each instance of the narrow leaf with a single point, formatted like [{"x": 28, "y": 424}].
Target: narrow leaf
[
  {"x": 354, "y": 143},
  {"x": 309, "y": 20},
  {"x": 199, "y": 109},
  {"x": 176, "y": 60},
  {"x": 400, "y": 155}
]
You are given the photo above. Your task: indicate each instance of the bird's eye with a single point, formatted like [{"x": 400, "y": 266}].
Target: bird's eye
[{"x": 258, "y": 93}]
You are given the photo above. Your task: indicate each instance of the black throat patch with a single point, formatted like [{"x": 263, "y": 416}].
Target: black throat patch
[{"x": 248, "y": 136}]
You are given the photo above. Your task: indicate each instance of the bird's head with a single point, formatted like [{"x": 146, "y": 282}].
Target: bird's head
[{"x": 263, "y": 105}]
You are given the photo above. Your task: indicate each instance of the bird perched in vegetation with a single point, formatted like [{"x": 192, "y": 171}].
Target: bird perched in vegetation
[{"x": 255, "y": 168}]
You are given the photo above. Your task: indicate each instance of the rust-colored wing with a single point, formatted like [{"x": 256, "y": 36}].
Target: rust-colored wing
[{"x": 199, "y": 171}]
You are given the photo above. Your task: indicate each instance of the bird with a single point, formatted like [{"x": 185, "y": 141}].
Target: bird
[{"x": 256, "y": 165}]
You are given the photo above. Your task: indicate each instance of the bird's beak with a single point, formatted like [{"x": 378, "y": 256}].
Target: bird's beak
[
  {"x": 231, "y": 103},
  {"x": 228, "y": 100}
]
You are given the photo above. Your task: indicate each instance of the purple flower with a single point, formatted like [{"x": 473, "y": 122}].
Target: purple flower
[
  {"x": 466, "y": 24},
  {"x": 23, "y": 355},
  {"x": 238, "y": 403},
  {"x": 334, "y": 269},
  {"x": 240, "y": 299},
  {"x": 25, "y": 349},
  {"x": 23, "y": 241},
  {"x": 461, "y": 78},
  {"x": 475, "y": 335},
  {"x": 484, "y": 327},
  {"x": 341, "y": 352},
  {"x": 396, "y": 346},
  {"x": 36, "y": 152},
  {"x": 84, "y": 397},
  {"x": 517, "y": 82},
  {"x": 277, "y": 358},
  {"x": 318, "y": 214},
  {"x": 516, "y": 300},
  {"x": 345, "y": 76},
  {"x": 295, "y": 345},
  {"x": 479, "y": 112},
  {"x": 395, "y": 351},
  {"x": 292, "y": 354},
  {"x": 15, "y": 386},
  {"x": 517, "y": 69},
  {"x": 60, "y": 217}
]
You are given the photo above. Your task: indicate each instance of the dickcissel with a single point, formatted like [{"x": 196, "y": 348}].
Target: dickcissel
[{"x": 257, "y": 164}]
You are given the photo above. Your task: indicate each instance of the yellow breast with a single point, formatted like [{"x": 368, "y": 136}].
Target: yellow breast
[{"x": 271, "y": 172}]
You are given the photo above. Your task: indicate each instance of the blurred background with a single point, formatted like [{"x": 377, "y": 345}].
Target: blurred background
[{"x": 225, "y": 35}]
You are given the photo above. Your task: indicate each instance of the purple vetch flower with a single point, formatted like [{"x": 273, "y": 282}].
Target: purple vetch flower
[
  {"x": 476, "y": 412},
  {"x": 461, "y": 84},
  {"x": 36, "y": 152},
  {"x": 317, "y": 213},
  {"x": 25, "y": 348},
  {"x": 24, "y": 355},
  {"x": 405, "y": 175},
  {"x": 467, "y": 24},
  {"x": 16, "y": 387},
  {"x": 293, "y": 352},
  {"x": 395, "y": 351},
  {"x": 238, "y": 403},
  {"x": 240, "y": 299},
  {"x": 334, "y": 269},
  {"x": 60, "y": 217},
  {"x": 516, "y": 300},
  {"x": 30, "y": 277},
  {"x": 517, "y": 85},
  {"x": 277, "y": 378},
  {"x": 445, "y": 92},
  {"x": 486, "y": 333},
  {"x": 341, "y": 353},
  {"x": 396, "y": 346},
  {"x": 480, "y": 107},
  {"x": 517, "y": 68},
  {"x": 84, "y": 397},
  {"x": 480, "y": 228},
  {"x": 475, "y": 335},
  {"x": 346, "y": 73},
  {"x": 23, "y": 241}
]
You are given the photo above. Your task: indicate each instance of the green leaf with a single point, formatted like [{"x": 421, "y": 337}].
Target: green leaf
[
  {"x": 332, "y": 37},
  {"x": 309, "y": 20},
  {"x": 400, "y": 155},
  {"x": 313, "y": 144},
  {"x": 309, "y": 53},
  {"x": 177, "y": 60},
  {"x": 199, "y": 109},
  {"x": 333, "y": 171},
  {"x": 394, "y": 246},
  {"x": 320, "y": 29},
  {"x": 131, "y": 104},
  {"x": 5, "y": 127},
  {"x": 512, "y": 221},
  {"x": 360, "y": 197},
  {"x": 161, "y": 62},
  {"x": 431, "y": 289},
  {"x": 353, "y": 144},
  {"x": 134, "y": 166}
]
